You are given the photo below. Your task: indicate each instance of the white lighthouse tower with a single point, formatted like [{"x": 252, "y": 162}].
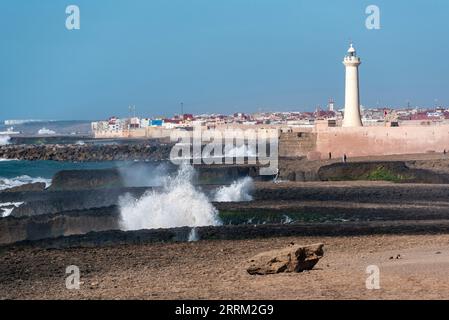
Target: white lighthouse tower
[{"x": 352, "y": 101}]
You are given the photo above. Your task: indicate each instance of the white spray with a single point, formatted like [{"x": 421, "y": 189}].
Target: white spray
[
  {"x": 178, "y": 204},
  {"x": 144, "y": 175},
  {"x": 239, "y": 190},
  {"x": 193, "y": 235},
  {"x": 4, "y": 140}
]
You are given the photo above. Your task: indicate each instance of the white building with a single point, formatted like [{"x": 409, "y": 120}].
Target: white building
[{"x": 352, "y": 100}]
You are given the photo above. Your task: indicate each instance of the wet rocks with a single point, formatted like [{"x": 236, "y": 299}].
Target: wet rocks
[
  {"x": 36, "y": 186},
  {"x": 82, "y": 153},
  {"x": 294, "y": 258},
  {"x": 13, "y": 229},
  {"x": 86, "y": 180},
  {"x": 52, "y": 202}
]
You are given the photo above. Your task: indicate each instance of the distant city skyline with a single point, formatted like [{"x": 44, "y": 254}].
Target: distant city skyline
[{"x": 216, "y": 56}]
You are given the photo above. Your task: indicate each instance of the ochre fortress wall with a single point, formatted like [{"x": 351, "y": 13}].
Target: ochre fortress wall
[{"x": 365, "y": 141}]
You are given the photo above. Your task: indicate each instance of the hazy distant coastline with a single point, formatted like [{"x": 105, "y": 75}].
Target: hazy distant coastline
[{"x": 30, "y": 128}]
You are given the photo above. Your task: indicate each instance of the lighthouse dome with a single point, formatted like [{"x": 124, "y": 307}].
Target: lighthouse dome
[{"x": 351, "y": 49}]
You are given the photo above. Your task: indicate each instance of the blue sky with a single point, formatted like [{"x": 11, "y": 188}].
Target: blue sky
[{"x": 216, "y": 56}]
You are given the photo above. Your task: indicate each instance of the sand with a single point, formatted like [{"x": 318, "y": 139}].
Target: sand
[{"x": 216, "y": 270}]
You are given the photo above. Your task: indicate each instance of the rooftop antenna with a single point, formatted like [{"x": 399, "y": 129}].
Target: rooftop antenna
[{"x": 182, "y": 108}]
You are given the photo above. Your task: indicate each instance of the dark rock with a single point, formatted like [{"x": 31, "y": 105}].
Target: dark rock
[
  {"x": 13, "y": 229},
  {"x": 52, "y": 202},
  {"x": 86, "y": 179},
  {"x": 395, "y": 171},
  {"x": 227, "y": 232},
  {"x": 36, "y": 186}
]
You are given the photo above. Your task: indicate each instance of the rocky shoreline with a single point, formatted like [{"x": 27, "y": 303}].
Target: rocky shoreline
[
  {"x": 290, "y": 169},
  {"x": 81, "y": 202},
  {"x": 77, "y": 221},
  {"x": 283, "y": 209}
]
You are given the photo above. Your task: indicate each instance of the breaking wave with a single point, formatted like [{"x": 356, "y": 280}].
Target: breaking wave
[
  {"x": 4, "y": 140},
  {"x": 239, "y": 190},
  {"x": 177, "y": 204},
  {"x": 7, "y": 207},
  {"x": 6, "y": 183},
  {"x": 45, "y": 131}
]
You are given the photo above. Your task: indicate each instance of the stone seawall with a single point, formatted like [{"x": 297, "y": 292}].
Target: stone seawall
[{"x": 82, "y": 153}]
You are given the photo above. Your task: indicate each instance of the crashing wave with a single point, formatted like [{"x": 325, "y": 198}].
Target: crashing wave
[
  {"x": 178, "y": 204},
  {"x": 6, "y": 183},
  {"x": 4, "y": 140},
  {"x": 7, "y": 207},
  {"x": 45, "y": 131}
]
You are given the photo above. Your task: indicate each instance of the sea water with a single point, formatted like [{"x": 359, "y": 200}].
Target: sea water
[{"x": 18, "y": 172}]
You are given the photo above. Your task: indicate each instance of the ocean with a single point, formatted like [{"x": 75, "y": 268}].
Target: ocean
[{"x": 17, "y": 172}]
